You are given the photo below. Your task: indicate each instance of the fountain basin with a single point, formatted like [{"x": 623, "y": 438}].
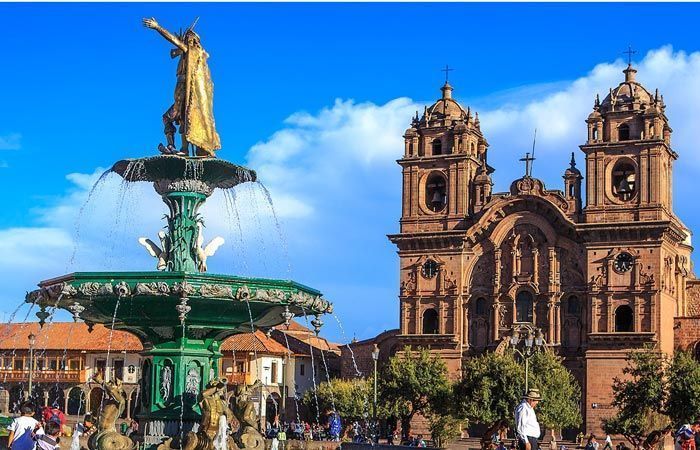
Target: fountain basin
[
  {"x": 219, "y": 305},
  {"x": 171, "y": 173}
]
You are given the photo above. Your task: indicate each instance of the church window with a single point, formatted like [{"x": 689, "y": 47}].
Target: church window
[
  {"x": 436, "y": 192},
  {"x": 595, "y": 133},
  {"x": 696, "y": 351},
  {"x": 623, "y": 319},
  {"x": 574, "y": 306},
  {"x": 437, "y": 147},
  {"x": 480, "y": 306},
  {"x": 624, "y": 182},
  {"x": 430, "y": 321},
  {"x": 623, "y": 132},
  {"x": 523, "y": 307}
]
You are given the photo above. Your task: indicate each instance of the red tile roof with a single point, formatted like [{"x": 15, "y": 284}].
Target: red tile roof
[
  {"x": 253, "y": 342},
  {"x": 65, "y": 336}
]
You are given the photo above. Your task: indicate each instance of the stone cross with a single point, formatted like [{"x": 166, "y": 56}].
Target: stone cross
[
  {"x": 447, "y": 71},
  {"x": 528, "y": 163}
]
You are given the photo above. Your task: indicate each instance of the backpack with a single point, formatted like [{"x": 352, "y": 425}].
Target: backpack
[{"x": 54, "y": 415}]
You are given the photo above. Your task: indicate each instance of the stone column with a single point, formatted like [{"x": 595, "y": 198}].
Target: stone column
[
  {"x": 465, "y": 325},
  {"x": 551, "y": 334},
  {"x": 46, "y": 398},
  {"x": 497, "y": 270},
  {"x": 495, "y": 316},
  {"x": 128, "y": 405},
  {"x": 535, "y": 265}
]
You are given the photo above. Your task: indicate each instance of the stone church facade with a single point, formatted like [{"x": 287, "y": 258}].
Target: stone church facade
[{"x": 597, "y": 278}]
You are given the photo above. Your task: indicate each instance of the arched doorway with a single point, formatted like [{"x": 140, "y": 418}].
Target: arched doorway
[
  {"x": 57, "y": 397},
  {"x": 96, "y": 396},
  {"x": 76, "y": 402},
  {"x": 430, "y": 321},
  {"x": 273, "y": 406},
  {"x": 624, "y": 319}
]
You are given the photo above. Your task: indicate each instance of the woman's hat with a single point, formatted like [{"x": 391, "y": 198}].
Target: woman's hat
[{"x": 533, "y": 394}]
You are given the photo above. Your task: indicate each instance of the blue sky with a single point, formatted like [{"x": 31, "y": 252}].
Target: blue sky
[{"x": 315, "y": 97}]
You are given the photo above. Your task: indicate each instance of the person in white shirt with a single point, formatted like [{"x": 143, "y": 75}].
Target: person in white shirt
[
  {"x": 24, "y": 428},
  {"x": 527, "y": 429}
]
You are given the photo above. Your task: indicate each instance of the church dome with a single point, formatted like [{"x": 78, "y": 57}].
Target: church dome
[
  {"x": 627, "y": 92},
  {"x": 446, "y": 107},
  {"x": 410, "y": 132},
  {"x": 594, "y": 115},
  {"x": 460, "y": 128}
]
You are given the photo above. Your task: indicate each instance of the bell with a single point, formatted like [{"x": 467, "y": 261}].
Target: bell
[
  {"x": 437, "y": 200},
  {"x": 624, "y": 187}
]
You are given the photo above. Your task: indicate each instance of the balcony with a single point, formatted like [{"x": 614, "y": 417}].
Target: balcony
[
  {"x": 236, "y": 377},
  {"x": 43, "y": 376}
]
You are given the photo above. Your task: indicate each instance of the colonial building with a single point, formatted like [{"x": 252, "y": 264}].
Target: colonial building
[
  {"x": 67, "y": 356},
  {"x": 598, "y": 274}
]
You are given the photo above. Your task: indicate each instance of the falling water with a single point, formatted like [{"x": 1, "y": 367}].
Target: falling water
[
  {"x": 14, "y": 340},
  {"x": 352, "y": 353},
  {"x": 234, "y": 217},
  {"x": 109, "y": 341},
  {"x": 255, "y": 353},
  {"x": 220, "y": 440},
  {"x": 280, "y": 234},
  {"x": 184, "y": 375},
  {"x": 296, "y": 402},
  {"x": 313, "y": 366},
  {"x": 256, "y": 215},
  {"x": 76, "y": 241}
]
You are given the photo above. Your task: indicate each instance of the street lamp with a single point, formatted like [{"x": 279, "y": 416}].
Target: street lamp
[
  {"x": 531, "y": 338},
  {"x": 32, "y": 341},
  {"x": 375, "y": 358}
]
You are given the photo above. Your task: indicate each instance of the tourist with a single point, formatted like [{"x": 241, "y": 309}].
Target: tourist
[
  {"x": 579, "y": 439},
  {"x": 50, "y": 438},
  {"x": 335, "y": 426},
  {"x": 592, "y": 443},
  {"x": 282, "y": 439},
  {"x": 655, "y": 437},
  {"x": 608, "y": 443},
  {"x": 420, "y": 442},
  {"x": 24, "y": 428},
  {"x": 685, "y": 436},
  {"x": 307, "y": 432},
  {"x": 53, "y": 413},
  {"x": 527, "y": 428}
]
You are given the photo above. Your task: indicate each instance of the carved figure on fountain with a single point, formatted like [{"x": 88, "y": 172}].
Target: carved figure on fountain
[
  {"x": 247, "y": 436},
  {"x": 212, "y": 402},
  {"x": 107, "y": 437}
]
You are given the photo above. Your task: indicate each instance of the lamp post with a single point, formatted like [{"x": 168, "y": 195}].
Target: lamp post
[
  {"x": 532, "y": 339},
  {"x": 32, "y": 341},
  {"x": 375, "y": 358}
]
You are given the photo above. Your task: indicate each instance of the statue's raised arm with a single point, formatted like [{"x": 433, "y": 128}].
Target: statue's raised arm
[
  {"x": 154, "y": 25},
  {"x": 193, "y": 109}
]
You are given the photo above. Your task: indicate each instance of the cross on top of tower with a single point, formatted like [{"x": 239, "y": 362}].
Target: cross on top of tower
[
  {"x": 528, "y": 163},
  {"x": 629, "y": 54},
  {"x": 447, "y": 71}
]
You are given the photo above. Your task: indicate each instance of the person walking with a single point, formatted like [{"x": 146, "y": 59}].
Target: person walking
[
  {"x": 608, "y": 443},
  {"x": 24, "y": 428},
  {"x": 527, "y": 428}
]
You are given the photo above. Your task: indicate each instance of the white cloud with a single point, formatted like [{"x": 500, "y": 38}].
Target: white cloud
[{"x": 10, "y": 141}]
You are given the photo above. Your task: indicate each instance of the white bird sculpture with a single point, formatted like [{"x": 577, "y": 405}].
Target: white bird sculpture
[
  {"x": 204, "y": 252},
  {"x": 160, "y": 253}
]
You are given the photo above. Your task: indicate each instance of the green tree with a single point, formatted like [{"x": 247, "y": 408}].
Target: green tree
[
  {"x": 413, "y": 382},
  {"x": 351, "y": 399},
  {"x": 491, "y": 386},
  {"x": 444, "y": 428},
  {"x": 683, "y": 388},
  {"x": 640, "y": 399},
  {"x": 560, "y": 391}
]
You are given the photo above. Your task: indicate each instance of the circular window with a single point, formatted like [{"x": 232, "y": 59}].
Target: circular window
[
  {"x": 624, "y": 180},
  {"x": 436, "y": 192},
  {"x": 430, "y": 268}
]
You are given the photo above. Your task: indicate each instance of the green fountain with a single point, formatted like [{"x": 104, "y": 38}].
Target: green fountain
[{"x": 180, "y": 312}]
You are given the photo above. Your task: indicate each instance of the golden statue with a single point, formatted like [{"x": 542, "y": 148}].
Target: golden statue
[
  {"x": 107, "y": 436},
  {"x": 193, "y": 109}
]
